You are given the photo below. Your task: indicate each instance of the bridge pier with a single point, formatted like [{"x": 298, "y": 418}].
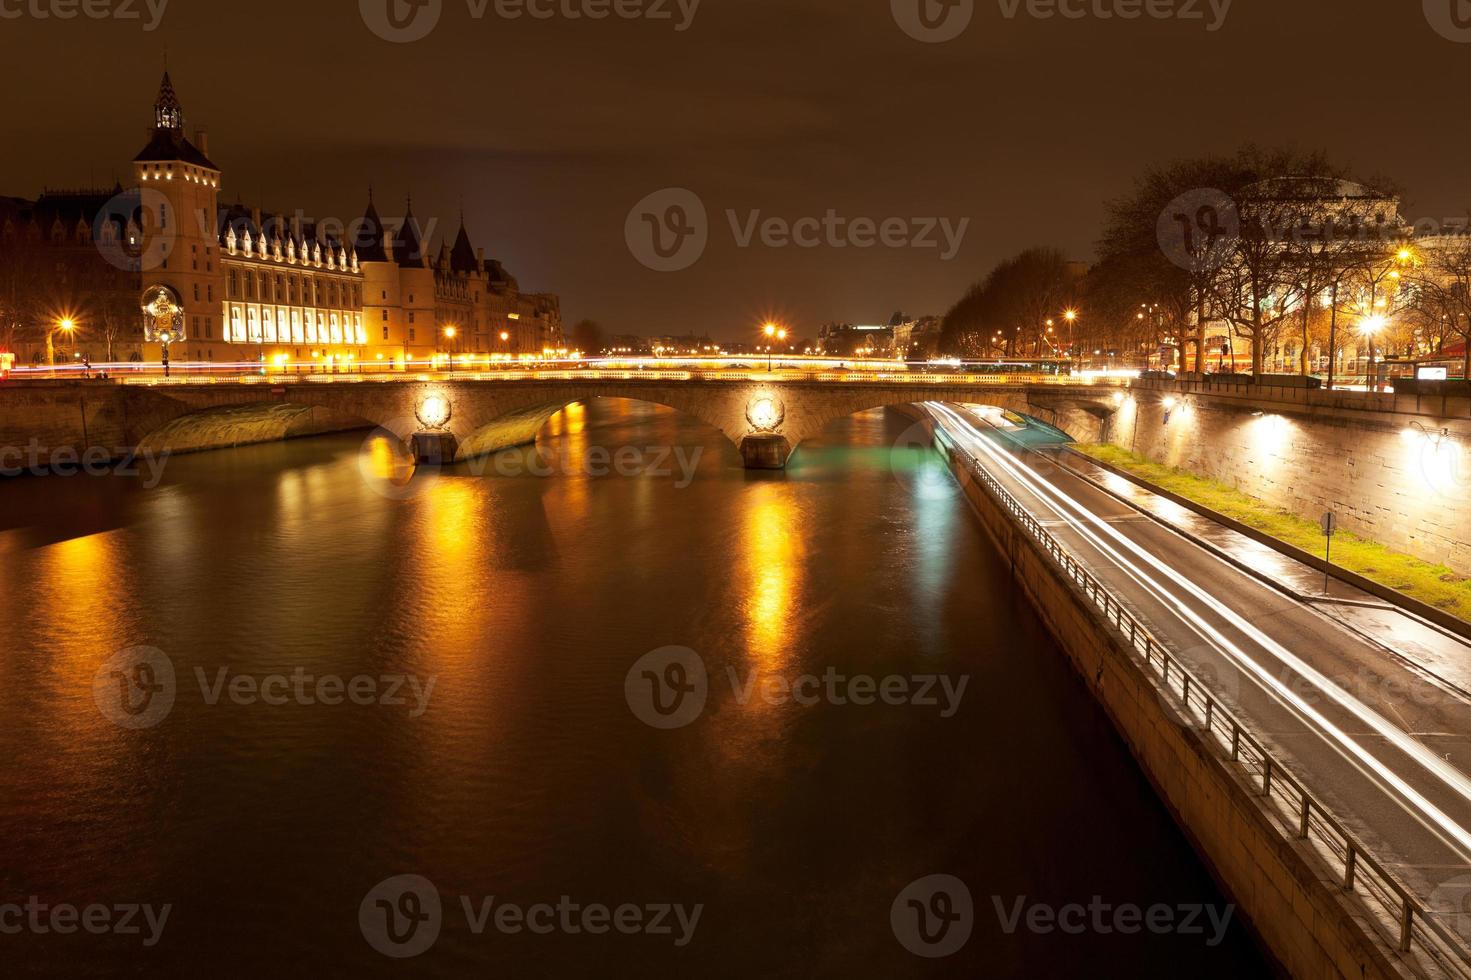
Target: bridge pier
[
  {"x": 434, "y": 448},
  {"x": 765, "y": 451}
]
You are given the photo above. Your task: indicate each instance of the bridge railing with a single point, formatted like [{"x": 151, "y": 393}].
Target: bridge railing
[
  {"x": 1416, "y": 927},
  {"x": 275, "y": 376}
]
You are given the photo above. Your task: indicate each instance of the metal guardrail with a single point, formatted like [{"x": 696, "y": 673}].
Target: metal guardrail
[{"x": 1360, "y": 872}]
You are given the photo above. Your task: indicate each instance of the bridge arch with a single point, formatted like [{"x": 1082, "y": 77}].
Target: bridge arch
[
  {"x": 1082, "y": 419},
  {"x": 765, "y": 420}
]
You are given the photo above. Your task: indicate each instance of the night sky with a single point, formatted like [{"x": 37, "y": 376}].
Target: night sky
[{"x": 551, "y": 130}]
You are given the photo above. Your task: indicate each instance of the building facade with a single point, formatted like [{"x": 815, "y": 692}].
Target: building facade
[{"x": 245, "y": 286}]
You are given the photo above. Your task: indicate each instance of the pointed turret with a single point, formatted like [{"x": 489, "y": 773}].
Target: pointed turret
[
  {"x": 167, "y": 112},
  {"x": 408, "y": 250},
  {"x": 168, "y": 143},
  {"x": 462, "y": 256},
  {"x": 368, "y": 239}
]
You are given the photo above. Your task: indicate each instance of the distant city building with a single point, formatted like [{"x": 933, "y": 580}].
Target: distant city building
[
  {"x": 686, "y": 346},
  {"x": 247, "y": 285},
  {"x": 918, "y": 339},
  {"x": 854, "y": 340}
]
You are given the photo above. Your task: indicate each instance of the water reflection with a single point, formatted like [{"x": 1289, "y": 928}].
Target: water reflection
[
  {"x": 771, "y": 575},
  {"x": 526, "y": 599}
]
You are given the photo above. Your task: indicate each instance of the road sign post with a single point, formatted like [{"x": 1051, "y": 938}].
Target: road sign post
[{"x": 1330, "y": 525}]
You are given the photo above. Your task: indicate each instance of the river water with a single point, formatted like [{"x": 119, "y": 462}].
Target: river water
[{"x": 169, "y": 654}]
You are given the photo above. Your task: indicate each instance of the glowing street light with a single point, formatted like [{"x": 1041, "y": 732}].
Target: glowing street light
[
  {"x": 449, "y": 333},
  {"x": 773, "y": 332},
  {"x": 1371, "y": 327},
  {"x": 64, "y": 325}
]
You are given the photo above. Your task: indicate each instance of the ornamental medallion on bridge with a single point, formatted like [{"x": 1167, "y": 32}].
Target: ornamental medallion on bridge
[
  {"x": 765, "y": 411},
  {"x": 434, "y": 412}
]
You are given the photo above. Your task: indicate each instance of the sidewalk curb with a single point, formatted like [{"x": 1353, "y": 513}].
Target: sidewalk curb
[{"x": 1424, "y": 612}]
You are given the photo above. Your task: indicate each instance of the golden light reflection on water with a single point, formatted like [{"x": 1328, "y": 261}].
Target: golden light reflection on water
[
  {"x": 569, "y": 427},
  {"x": 771, "y": 573},
  {"x": 387, "y": 459},
  {"x": 79, "y": 590}
]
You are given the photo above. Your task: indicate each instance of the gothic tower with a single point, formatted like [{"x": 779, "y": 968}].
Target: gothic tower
[{"x": 179, "y": 192}]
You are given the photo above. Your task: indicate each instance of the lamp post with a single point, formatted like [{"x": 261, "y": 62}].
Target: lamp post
[
  {"x": 1370, "y": 328},
  {"x": 449, "y": 334},
  {"x": 65, "y": 325},
  {"x": 773, "y": 332}
]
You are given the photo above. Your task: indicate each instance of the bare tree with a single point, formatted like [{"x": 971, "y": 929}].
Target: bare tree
[{"x": 1441, "y": 291}]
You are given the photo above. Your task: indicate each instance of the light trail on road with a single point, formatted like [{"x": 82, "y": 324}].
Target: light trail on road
[{"x": 1413, "y": 801}]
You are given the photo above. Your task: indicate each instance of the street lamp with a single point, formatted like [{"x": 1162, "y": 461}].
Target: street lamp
[
  {"x": 449, "y": 335},
  {"x": 64, "y": 325},
  {"x": 1370, "y": 328},
  {"x": 773, "y": 332}
]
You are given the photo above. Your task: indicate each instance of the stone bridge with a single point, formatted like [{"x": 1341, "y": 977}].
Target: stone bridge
[{"x": 453, "y": 419}]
